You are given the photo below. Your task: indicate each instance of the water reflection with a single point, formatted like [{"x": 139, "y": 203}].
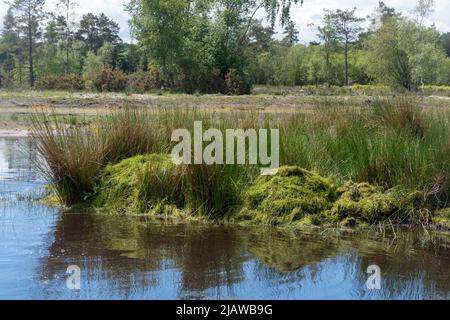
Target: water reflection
[
  {"x": 131, "y": 258},
  {"x": 128, "y": 257}
]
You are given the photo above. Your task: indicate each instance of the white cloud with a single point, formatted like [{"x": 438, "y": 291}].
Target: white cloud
[
  {"x": 114, "y": 9},
  {"x": 303, "y": 16},
  {"x": 312, "y": 12}
]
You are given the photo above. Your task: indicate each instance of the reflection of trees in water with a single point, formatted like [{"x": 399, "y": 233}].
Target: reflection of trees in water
[
  {"x": 412, "y": 266},
  {"x": 123, "y": 249},
  {"x": 286, "y": 250},
  {"x": 124, "y": 255}
]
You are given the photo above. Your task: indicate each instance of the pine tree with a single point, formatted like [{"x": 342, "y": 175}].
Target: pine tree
[
  {"x": 291, "y": 34},
  {"x": 29, "y": 15}
]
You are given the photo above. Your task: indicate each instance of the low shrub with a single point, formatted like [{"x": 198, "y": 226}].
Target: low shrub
[
  {"x": 236, "y": 83},
  {"x": 109, "y": 80},
  {"x": 66, "y": 82},
  {"x": 144, "y": 81}
]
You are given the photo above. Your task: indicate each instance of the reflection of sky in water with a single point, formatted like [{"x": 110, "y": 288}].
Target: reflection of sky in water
[
  {"x": 122, "y": 257},
  {"x": 16, "y": 163}
]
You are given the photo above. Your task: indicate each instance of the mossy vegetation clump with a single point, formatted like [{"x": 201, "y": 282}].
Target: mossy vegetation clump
[
  {"x": 295, "y": 196},
  {"x": 141, "y": 184},
  {"x": 364, "y": 202},
  {"x": 291, "y": 195}
]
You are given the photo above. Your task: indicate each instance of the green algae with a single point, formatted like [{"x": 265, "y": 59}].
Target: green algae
[
  {"x": 289, "y": 196},
  {"x": 364, "y": 202},
  {"x": 298, "y": 197},
  {"x": 139, "y": 185},
  {"x": 152, "y": 184}
]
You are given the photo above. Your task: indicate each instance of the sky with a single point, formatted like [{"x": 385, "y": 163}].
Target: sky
[{"x": 310, "y": 13}]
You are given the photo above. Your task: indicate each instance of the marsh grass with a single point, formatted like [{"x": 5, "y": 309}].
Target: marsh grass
[
  {"x": 394, "y": 144},
  {"x": 391, "y": 142},
  {"x": 74, "y": 157}
]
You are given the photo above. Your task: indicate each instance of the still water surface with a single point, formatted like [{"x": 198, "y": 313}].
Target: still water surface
[{"x": 130, "y": 258}]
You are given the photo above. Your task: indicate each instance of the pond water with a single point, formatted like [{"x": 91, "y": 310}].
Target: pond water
[{"x": 131, "y": 258}]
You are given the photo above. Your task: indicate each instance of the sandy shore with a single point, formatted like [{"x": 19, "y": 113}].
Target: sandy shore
[{"x": 12, "y": 129}]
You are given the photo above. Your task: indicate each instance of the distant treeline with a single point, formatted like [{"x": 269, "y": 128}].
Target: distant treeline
[{"x": 211, "y": 46}]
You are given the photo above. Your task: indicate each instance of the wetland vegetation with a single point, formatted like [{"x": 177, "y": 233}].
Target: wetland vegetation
[
  {"x": 384, "y": 163},
  {"x": 363, "y": 115}
]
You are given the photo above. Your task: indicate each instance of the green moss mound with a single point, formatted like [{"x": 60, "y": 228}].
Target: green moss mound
[
  {"x": 364, "y": 202},
  {"x": 295, "y": 196},
  {"x": 142, "y": 184},
  {"x": 291, "y": 195}
]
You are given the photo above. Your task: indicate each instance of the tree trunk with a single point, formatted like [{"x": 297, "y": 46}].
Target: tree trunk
[
  {"x": 327, "y": 66},
  {"x": 20, "y": 71},
  {"x": 66, "y": 65},
  {"x": 346, "y": 60},
  {"x": 30, "y": 50}
]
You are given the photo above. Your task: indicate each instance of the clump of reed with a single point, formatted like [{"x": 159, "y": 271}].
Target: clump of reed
[
  {"x": 76, "y": 154},
  {"x": 215, "y": 190},
  {"x": 73, "y": 156}
]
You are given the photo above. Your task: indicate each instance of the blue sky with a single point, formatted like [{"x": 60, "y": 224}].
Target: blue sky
[{"x": 303, "y": 16}]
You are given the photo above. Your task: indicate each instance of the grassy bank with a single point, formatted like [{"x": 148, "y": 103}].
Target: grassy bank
[{"x": 387, "y": 162}]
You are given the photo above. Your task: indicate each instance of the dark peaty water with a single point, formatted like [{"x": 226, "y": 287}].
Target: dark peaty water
[{"x": 131, "y": 258}]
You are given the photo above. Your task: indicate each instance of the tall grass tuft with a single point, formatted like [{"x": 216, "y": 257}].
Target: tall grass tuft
[
  {"x": 74, "y": 156},
  {"x": 215, "y": 190}
]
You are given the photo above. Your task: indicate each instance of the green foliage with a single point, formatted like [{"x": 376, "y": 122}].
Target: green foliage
[
  {"x": 28, "y": 15},
  {"x": 445, "y": 40},
  {"x": 109, "y": 80},
  {"x": 388, "y": 62},
  {"x": 189, "y": 40},
  {"x": 235, "y": 84},
  {"x": 94, "y": 31},
  {"x": 405, "y": 54},
  {"x": 69, "y": 83}
]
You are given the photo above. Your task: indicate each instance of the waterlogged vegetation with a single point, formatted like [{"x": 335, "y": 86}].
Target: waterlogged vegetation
[
  {"x": 136, "y": 257},
  {"x": 364, "y": 147},
  {"x": 386, "y": 163}
]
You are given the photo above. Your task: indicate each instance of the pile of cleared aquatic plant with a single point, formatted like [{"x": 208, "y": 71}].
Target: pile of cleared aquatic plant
[
  {"x": 152, "y": 184},
  {"x": 395, "y": 153},
  {"x": 139, "y": 185},
  {"x": 295, "y": 196},
  {"x": 291, "y": 195}
]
